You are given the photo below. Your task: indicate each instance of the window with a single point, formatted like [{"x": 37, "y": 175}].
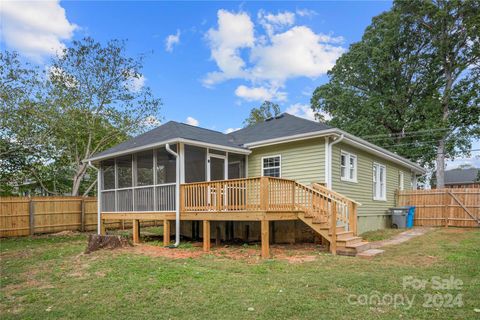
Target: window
[
  {"x": 379, "y": 182},
  {"x": 400, "y": 180},
  {"x": 108, "y": 170},
  {"x": 271, "y": 166},
  {"x": 166, "y": 166},
  {"x": 144, "y": 168},
  {"x": 348, "y": 166}
]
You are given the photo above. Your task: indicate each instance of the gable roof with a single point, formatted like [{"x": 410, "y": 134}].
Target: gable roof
[
  {"x": 283, "y": 125},
  {"x": 280, "y": 129},
  {"x": 170, "y": 132},
  {"x": 462, "y": 176}
]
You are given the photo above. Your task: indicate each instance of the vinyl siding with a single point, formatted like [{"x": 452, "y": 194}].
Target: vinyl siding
[
  {"x": 372, "y": 214},
  {"x": 303, "y": 161}
]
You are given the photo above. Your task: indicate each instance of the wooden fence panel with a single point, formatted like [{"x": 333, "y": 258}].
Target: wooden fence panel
[
  {"x": 52, "y": 214},
  {"x": 454, "y": 207}
]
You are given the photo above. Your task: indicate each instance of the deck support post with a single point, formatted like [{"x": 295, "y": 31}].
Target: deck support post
[
  {"x": 206, "y": 235},
  {"x": 102, "y": 230},
  {"x": 136, "y": 231},
  {"x": 166, "y": 232},
  {"x": 265, "y": 239}
]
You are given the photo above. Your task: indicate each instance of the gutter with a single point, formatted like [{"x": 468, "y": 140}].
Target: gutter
[
  {"x": 99, "y": 198},
  {"x": 177, "y": 196},
  {"x": 329, "y": 159}
]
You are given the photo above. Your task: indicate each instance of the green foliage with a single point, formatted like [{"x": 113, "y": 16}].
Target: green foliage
[
  {"x": 406, "y": 85},
  {"x": 86, "y": 102},
  {"x": 265, "y": 111}
]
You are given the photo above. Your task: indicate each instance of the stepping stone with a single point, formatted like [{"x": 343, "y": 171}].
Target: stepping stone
[{"x": 367, "y": 254}]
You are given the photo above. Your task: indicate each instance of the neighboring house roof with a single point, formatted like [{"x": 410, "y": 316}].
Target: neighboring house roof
[
  {"x": 280, "y": 129},
  {"x": 281, "y": 126},
  {"x": 462, "y": 176}
]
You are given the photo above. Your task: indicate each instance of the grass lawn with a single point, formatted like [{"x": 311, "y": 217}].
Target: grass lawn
[
  {"x": 381, "y": 234},
  {"x": 49, "y": 277}
]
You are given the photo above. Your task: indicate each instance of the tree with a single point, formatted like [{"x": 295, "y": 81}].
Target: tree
[
  {"x": 265, "y": 111},
  {"x": 395, "y": 89},
  {"x": 92, "y": 98}
]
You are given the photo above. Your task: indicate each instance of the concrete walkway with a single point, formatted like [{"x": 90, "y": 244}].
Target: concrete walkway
[{"x": 399, "y": 238}]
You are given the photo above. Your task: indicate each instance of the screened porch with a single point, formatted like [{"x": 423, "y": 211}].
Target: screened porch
[{"x": 146, "y": 181}]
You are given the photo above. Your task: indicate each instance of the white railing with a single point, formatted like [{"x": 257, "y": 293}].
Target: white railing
[{"x": 140, "y": 199}]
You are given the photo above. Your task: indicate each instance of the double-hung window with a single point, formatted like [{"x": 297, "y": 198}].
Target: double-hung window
[
  {"x": 271, "y": 166},
  {"x": 379, "y": 182},
  {"x": 348, "y": 166}
]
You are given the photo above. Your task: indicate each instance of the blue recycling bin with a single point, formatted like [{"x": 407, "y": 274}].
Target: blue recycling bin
[{"x": 410, "y": 216}]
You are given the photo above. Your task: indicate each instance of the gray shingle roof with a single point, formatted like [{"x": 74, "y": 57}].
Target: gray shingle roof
[
  {"x": 172, "y": 130},
  {"x": 459, "y": 176},
  {"x": 283, "y": 125}
]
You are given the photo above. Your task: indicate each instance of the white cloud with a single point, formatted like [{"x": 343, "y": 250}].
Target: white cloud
[
  {"x": 298, "y": 52},
  {"x": 135, "y": 84},
  {"x": 260, "y": 93},
  {"x": 235, "y": 31},
  {"x": 230, "y": 130},
  {"x": 192, "y": 121},
  {"x": 171, "y": 41},
  {"x": 306, "y": 12},
  {"x": 35, "y": 28},
  {"x": 269, "y": 59},
  {"x": 304, "y": 111},
  {"x": 273, "y": 22}
]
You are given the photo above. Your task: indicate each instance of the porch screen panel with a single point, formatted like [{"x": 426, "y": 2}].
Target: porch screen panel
[
  {"x": 144, "y": 199},
  {"x": 124, "y": 171},
  {"x": 108, "y": 174},
  {"x": 166, "y": 166},
  {"x": 144, "y": 174},
  {"x": 195, "y": 164},
  {"x": 236, "y": 166},
  {"x": 166, "y": 197},
  {"x": 108, "y": 201},
  {"x": 125, "y": 200}
]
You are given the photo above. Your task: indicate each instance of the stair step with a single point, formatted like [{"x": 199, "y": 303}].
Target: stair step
[
  {"x": 319, "y": 220},
  {"x": 349, "y": 241},
  {"x": 359, "y": 246},
  {"x": 344, "y": 235}
]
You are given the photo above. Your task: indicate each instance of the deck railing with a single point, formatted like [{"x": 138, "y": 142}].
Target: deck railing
[{"x": 269, "y": 194}]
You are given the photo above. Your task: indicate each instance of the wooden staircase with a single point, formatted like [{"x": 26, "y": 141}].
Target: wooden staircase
[{"x": 326, "y": 209}]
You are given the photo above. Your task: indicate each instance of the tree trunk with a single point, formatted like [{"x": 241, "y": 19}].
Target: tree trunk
[
  {"x": 440, "y": 175},
  {"x": 77, "y": 178}
]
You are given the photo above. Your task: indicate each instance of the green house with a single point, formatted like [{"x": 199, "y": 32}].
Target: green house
[{"x": 288, "y": 173}]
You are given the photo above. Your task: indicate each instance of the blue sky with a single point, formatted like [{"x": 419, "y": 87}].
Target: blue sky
[{"x": 209, "y": 62}]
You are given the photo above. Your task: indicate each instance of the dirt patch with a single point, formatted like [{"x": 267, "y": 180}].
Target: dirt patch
[
  {"x": 251, "y": 254},
  {"x": 63, "y": 234}
]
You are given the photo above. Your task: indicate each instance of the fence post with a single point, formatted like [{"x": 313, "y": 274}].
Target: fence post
[
  {"x": 445, "y": 207},
  {"x": 82, "y": 215},
  {"x": 333, "y": 228},
  {"x": 264, "y": 193},
  {"x": 31, "y": 213}
]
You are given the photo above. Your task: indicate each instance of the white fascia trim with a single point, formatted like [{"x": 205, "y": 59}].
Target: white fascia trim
[
  {"x": 296, "y": 137},
  {"x": 176, "y": 140},
  {"x": 349, "y": 139}
]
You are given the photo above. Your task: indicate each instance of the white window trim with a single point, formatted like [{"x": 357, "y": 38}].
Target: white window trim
[
  {"x": 379, "y": 165},
  {"x": 401, "y": 181},
  {"x": 348, "y": 155},
  {"x": 279, "y": 167}
]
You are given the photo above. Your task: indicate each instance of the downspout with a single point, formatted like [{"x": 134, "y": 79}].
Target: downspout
[
  {"x": 329, "y": 159},
  {"x": 99, "y": 198},
  {"x": 177, "y": 196}
]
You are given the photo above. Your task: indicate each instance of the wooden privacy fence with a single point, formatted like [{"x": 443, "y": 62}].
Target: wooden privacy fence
[
  {"x": 22, "y": 216},
  {"x": 443, "y": 207}
]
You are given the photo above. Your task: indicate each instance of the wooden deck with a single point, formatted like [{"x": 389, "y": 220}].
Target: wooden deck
[{"x": 263, "y": 199}]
